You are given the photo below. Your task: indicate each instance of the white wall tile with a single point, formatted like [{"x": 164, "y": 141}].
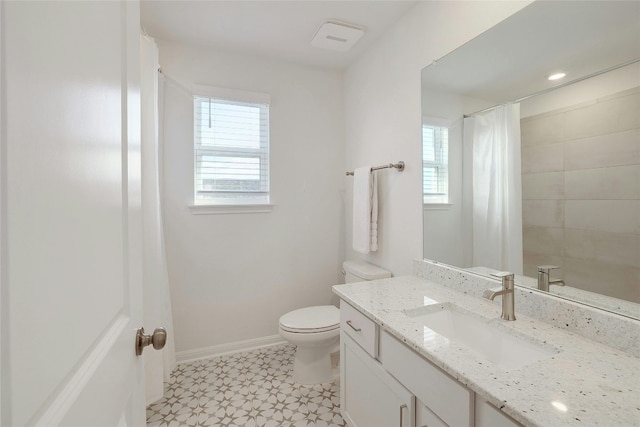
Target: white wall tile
[
  {"x": 617, "y": 216},
  {"x": 601, "y": 183},
  {"x": 543, "y": 213},
  {"x": 609, "y": 116},
  {"x": 604, "y": 278},
  {"x": 620, "y": 182},
  {"x": 547, "y": 185},
  {"x": 614, "y": 149},
  {"x": 543, "y": 158},
  {"x": 614, "y": 248},
  {"x": 542, "y": 130},
  {"x": 543, "y": 240}
]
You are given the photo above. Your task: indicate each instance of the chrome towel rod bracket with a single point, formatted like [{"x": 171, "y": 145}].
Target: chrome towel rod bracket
[{"x": 399, "y": 166}]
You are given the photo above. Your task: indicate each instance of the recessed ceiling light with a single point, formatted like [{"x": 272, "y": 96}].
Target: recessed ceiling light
[
  {"x": 557, "y": 76},
  {"x": 334, "y": 35}
]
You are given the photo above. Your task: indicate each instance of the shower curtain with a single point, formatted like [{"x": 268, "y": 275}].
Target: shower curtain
[
  {"x": 157, "y": 301},
  {"x": 497, "y": 189}
]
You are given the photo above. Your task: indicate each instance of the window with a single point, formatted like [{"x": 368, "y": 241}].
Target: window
[
  {"x": 435, "y": 164},
  {"x": 231, "y": 149}
]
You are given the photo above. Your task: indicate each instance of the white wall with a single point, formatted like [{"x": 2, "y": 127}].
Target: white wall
[
  {"x": 233, "y": 276},
  {"x": 382, "y": 115}
]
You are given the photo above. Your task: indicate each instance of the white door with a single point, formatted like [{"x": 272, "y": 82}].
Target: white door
[{"x": 70, "y": 214}]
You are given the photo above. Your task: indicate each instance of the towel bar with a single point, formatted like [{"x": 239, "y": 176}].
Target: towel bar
[{"x": 399, "y": 166}]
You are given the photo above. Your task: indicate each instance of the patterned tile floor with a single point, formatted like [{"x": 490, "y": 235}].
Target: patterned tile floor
[{"x": 253, "y": 388}]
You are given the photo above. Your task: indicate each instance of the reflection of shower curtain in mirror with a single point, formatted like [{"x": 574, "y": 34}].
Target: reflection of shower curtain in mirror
[{"x": 497, "y": 189}]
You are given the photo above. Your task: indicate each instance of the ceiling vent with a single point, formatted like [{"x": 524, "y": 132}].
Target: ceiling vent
[{"x": 338, "y": 36}]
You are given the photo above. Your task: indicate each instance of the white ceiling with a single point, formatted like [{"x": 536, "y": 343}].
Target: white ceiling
[
  {"x": 512, "y": 59},
  {"x": 277, "y": 29}
]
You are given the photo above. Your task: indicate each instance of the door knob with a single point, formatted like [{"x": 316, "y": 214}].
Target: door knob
[{"x": 158, "y": 339}]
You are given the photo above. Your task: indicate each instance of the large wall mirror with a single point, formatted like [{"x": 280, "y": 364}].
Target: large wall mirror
[{"x": 536, "y": 176}]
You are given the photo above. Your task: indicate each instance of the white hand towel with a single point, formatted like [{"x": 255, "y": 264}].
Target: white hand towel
[
  {"x": 365, "y": 210},
  {"x": 374, "y": 211}
]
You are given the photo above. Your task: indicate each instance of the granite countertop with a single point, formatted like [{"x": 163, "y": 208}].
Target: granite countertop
[
  {"x": 626, "y": 308},
  {"x": 585, "y": 384}
]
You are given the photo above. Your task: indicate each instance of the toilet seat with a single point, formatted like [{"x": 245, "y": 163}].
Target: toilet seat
[{"x": 311, "y": 320}]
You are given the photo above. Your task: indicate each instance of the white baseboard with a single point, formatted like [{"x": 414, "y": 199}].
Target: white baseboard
[{"x": 229, "y": 348}]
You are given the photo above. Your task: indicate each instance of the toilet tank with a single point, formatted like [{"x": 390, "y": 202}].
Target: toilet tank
[{"x": 359, "y": 271}]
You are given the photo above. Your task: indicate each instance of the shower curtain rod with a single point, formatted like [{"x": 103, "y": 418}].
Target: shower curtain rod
[
  {"x": 549, "y": 89},
  {"x": 175, "y": 82}
]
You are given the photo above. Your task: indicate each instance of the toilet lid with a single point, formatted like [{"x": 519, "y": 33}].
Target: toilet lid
[{"x": 312, "y": 319}]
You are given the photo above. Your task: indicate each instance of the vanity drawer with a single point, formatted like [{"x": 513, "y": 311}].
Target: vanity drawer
[
  {"x": 363, "y": 330},
  {"x": 444, "y": 396},
  {"x": 488, "y": 415}
]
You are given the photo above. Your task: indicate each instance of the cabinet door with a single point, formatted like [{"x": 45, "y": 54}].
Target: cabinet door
[
  {"x": 370, "y": 397},
  {"x": 426, "y": 418},
  {"x": 442, "y": 394}
]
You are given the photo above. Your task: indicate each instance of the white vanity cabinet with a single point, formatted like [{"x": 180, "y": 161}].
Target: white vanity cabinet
[
  {"x": 369, "y": 396},
  {"x": 385, "y": 383},
  {"x": 488, "y": 415},
  {"x": 360, "y": 328},
  {"x": 425, "y": 417},
  {"x": 442, "y": 396}
]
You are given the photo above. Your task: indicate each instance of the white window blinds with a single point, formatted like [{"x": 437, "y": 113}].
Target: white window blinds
[
  {"x": 231, "y": 151},
  {"x": 435, "y": 164}
]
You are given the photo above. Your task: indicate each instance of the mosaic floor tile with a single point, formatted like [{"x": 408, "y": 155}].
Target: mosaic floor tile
[{"x": 249, "y": 389}]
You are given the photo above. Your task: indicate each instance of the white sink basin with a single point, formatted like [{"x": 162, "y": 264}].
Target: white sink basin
[{"x": 502, "y": 348}]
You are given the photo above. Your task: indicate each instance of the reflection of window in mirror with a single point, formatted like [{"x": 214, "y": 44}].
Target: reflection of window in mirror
[{"x": 435, "y": 162}]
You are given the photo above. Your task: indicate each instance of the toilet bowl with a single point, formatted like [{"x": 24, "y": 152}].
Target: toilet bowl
[{"x": 315, "y": 331}]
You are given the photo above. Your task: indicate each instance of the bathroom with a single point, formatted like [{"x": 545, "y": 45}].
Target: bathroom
[{"x": 232, "y": 275}]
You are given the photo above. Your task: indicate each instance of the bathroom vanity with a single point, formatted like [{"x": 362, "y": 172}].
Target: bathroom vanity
[
  {"x": 415, "y": 352},
  {"x": 386, "y": 383}
]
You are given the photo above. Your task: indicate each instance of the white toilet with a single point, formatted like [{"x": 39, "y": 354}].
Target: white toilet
[{"x": 315, "y": 331}]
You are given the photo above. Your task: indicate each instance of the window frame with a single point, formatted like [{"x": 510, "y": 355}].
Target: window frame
[
  {"x": 250, "y": 202},
  {"x": 445, "y": 196}
]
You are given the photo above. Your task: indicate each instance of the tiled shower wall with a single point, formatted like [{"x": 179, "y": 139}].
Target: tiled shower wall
[{"x": 581, "y": 194}]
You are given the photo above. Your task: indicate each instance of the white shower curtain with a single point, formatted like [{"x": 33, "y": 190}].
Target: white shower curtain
[
  {"x": 497, "y": 189},
  {"x": 157, "y": 301}
]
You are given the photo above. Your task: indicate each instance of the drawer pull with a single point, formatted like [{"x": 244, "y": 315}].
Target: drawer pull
[
  {"x": 353, "y": 327},
  {"x": 402, "y": 407}
]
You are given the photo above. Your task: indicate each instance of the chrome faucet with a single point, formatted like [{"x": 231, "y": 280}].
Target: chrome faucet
[
  {"x": 507, "y": 291},
  {"x": 544, "y": 277}
]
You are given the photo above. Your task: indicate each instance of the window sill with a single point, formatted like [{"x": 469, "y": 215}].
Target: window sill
[
  {"x": 230, "y": 209},
  {"x": 437, "y": 206}
]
